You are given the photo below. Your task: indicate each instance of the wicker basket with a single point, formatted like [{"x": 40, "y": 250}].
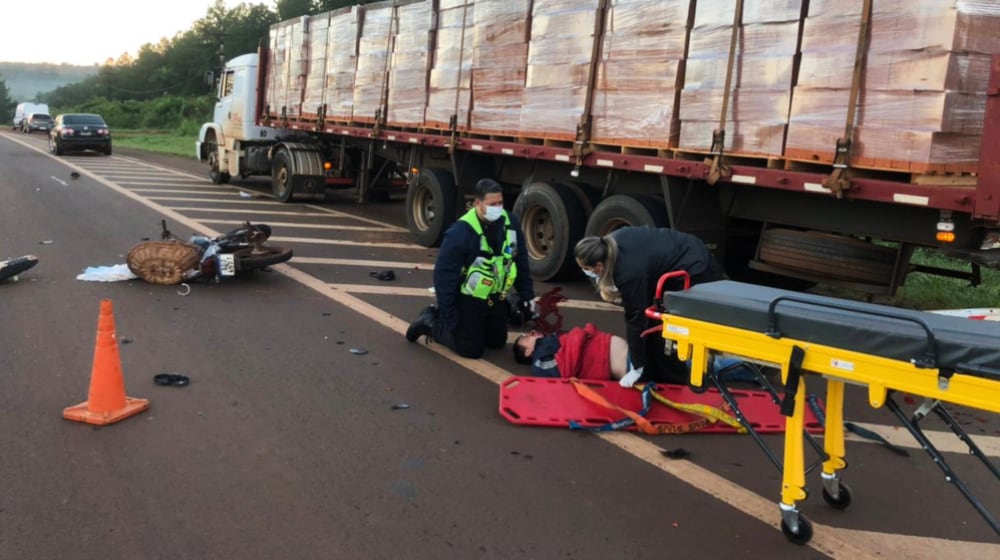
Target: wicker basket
[{"x": 162, "y": 262}]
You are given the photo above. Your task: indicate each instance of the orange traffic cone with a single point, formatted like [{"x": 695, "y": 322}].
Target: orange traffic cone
[{"x": 106, "y": 402}]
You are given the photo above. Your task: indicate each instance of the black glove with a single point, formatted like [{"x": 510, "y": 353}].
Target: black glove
[{"x": 520, "y": 313}]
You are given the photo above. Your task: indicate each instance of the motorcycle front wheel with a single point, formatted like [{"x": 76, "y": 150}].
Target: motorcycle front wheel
[{"x": 246, "y": 259}]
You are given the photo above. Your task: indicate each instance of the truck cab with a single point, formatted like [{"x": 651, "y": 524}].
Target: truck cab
[{"x": 223, "y": 141}]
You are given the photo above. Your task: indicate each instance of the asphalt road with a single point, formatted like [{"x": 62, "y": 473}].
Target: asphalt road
[{"x": 287, "y": 445}]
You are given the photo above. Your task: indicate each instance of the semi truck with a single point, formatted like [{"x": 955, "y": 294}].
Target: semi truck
[{"x": 805, "y": 141}]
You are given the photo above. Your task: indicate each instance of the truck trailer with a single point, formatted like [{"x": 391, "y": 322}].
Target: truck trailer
[{"x": 805, "y": 141}]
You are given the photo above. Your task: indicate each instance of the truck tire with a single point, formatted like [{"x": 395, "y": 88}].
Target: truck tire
[
  {"x": 553, "y": 220},
  {"x": 622, "y": 210},
  {"x": 281, "y": 176},
  {"x": 829, "y": 256},
  {"x": 215, "y": 173},
  {"x": 431, "y": 204}
]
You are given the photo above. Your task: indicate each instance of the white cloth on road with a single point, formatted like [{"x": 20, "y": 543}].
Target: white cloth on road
[{"x": 115, "y": 273}]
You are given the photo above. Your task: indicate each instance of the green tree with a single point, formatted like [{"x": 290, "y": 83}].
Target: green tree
[{"x": 7, "y": 105}]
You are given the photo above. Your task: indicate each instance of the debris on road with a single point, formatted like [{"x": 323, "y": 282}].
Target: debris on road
[
  {"x": 359, "y": 351},
  {"x": 385, "y": 275}
]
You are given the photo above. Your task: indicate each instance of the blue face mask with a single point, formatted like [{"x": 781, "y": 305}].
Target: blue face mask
[
  {"x": 592, "y": 274},
  {"x": 493, "y": 213}
]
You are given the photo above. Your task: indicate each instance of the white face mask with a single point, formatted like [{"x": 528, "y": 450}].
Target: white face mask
[
  {"x": 592, "y": 274},
  {"x": 493, "y": 213}
]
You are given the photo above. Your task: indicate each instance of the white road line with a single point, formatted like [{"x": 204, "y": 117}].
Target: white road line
[
  {"x": 364, "y": 263},
  {"x": 944, "y": 440},
  {"x": 182, "y": 191},
  {"x": 387, "y": 226},
  {"x": 316, "y": 241},
  {"x": 60, "y": 181},
  {"x": 335, "y": 227},
  {"x": 239, "y": 211},
  {"x": 236, "y": 200},
  {"x": 390, "y": 290}
]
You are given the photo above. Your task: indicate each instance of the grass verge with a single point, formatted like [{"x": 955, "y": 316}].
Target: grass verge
[{"x": 163, "y": 142}]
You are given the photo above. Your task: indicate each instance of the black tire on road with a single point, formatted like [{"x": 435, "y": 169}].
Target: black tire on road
[
  {"x": 55, "y": 146},
  {"x": 553, "y": 220},
  {"x": 107, "y": 150},
  {"x": 623, "y": 210},
  {"x": 431, "y": 205},
  {"x": 246, "y": 259},
  {"x": 215, "y": 172},
  {"x": 281, "y": 176},
  {"x": 827, "y": 255}
]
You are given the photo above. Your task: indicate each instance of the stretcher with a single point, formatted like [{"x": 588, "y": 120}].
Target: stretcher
[{"x": 938, "y": 358}]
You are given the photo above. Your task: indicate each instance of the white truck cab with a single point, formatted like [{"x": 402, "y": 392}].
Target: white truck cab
[{"x": 234, "y": 145}]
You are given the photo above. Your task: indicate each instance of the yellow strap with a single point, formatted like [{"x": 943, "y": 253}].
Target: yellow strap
[{"x": 713, "y": 414}]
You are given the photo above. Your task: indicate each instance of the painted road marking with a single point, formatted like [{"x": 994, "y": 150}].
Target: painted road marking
[
  {"x": 335, "y": 227},
  {"x": 366, "y": 263}
]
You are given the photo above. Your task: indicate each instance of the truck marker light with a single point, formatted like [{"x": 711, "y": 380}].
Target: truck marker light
[
  {"x": 653, "y": 168},
  {"x": 391, "y": 137},
  {"x": 562, "y": 157},
  {"x": 605, "y": 163},
  {"x": 946, "y": 236},
  {"x": 816, "y": 187},
  {"x": 507, "y": 151},
  {"x": 745, "y": 179},
  {"x": 477, "y": 147}
]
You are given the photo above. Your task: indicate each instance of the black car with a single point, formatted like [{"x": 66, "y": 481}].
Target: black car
[
  {"x": 37, "y": 121},
  {"x": 79, "y": 131}
]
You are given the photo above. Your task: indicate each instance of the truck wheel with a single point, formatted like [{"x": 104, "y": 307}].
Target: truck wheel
[
  {"x": 621, "y": 210},
  {"x": 215, "y": 172},
  {"x": 430, "y": 206},
  {"x": 553, "y": 220},
  {"x": 281, "y": 176}
]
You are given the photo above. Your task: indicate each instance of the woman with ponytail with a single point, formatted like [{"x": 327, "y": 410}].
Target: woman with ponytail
[{"x": 625, "y": 266}]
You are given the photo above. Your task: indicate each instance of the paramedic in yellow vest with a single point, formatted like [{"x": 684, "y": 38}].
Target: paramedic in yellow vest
[{"x": 481, "y": 261}]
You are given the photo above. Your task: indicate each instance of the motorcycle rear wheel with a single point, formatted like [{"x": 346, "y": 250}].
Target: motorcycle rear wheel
[{"x": 246, "y": 259}]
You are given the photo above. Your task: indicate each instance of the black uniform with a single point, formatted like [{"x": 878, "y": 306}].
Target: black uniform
[{"x": 644, "y": 255}]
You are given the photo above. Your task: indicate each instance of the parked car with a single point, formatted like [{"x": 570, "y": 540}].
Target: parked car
[
  {"x": 37, "y": 121},
  {"x": 79, "y": 131}
]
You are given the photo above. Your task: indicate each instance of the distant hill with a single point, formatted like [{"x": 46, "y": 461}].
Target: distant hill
[{"x": 25, "y": 80}]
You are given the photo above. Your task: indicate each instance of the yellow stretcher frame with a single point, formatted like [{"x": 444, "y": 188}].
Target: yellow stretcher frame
[{"x": 697, "y": 340}]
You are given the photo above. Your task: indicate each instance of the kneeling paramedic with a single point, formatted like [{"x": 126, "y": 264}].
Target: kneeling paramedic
[{"x": 482, "y": 258}]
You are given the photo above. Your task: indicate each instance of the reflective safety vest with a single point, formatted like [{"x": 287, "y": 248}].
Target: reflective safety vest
[{"x": 490, "y": 273}]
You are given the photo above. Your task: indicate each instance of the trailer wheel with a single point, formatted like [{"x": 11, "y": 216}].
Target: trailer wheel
[
  {"x": 430, "y": 206},
  {"x": 281, "y": 176},
  {"x": 553, "y": 220},
  {"x": 215, "y": 172},
  {"x": 618, "y": 211}
]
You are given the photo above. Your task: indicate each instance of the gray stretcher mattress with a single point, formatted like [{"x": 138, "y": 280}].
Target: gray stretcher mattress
[{"x": 868, "y": 328}]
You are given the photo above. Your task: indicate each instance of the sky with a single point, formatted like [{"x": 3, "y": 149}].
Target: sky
[{"x": 95, "y": 30}]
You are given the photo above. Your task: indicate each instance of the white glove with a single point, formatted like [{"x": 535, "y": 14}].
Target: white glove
[{"x": 630, "y": 378}]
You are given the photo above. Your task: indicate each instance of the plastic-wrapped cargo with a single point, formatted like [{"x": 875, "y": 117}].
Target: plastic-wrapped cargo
[
  {"x": 287, "y": 68},
  {"x": 639, "y": 72},
  {"x": 450, "y": 82},
  {"x": 341, "y": 62},
  {"x": 923, "y": 89},
  {"x": 374, "y": 50},
  {"x": 560, "y": 58},
  {"x": 767, "y": 43},
  {"x": 410, "y": 63},
  {"x": 499, "y": 61},
  {"x": 317, "y": 29}
]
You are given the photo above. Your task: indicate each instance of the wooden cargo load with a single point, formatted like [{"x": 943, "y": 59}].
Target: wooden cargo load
[
  {"x": 761, "y": 85},
  {"x": 374, "y": 49},
  {"x": 560, "y": 58},
  {"x": 317, "y": 31},
  {"x": 341, "y": 63},
  {"x": 287, "y": 68},
  {"x": 499, "y": 60},
  {"x": 410, "y": 62},
  {"x": 450, "y": 83},
  {"x": 922, "y": 94},
  {"x": 640, "y": 72}
]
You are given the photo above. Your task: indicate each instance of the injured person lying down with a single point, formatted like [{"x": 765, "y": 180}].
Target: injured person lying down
[{"x": 589, "y": 353}]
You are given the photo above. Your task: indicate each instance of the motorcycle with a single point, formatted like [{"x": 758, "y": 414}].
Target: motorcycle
[{"x": 173, "y": 261}]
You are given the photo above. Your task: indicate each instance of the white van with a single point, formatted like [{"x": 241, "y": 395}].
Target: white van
[{"x": 25, "y": 109}]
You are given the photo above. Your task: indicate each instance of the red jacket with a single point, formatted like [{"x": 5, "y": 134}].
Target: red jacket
[{"x": 585, "y": 353}]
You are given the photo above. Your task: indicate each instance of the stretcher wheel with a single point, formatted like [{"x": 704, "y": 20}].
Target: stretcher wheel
[
  {"x": 842, "y": 501},
  {"x": 698, "y": 390},
  {"x": 805, "y": 531}
]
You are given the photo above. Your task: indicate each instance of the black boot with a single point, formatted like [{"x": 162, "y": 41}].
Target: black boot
[{"x": 424, "y": 325}]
